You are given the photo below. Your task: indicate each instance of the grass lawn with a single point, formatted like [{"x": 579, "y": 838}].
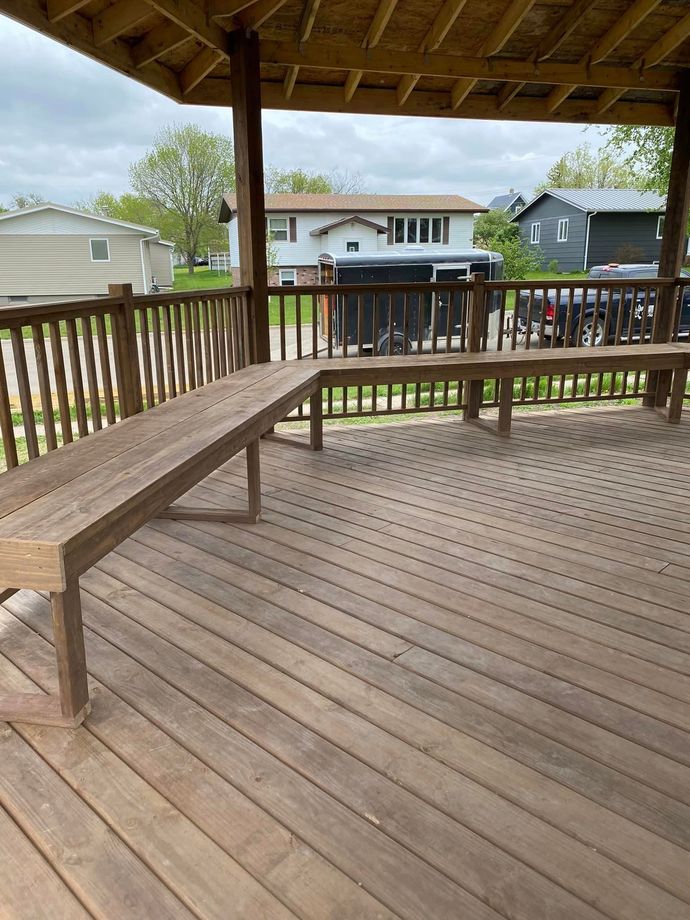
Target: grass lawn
[{"x": 202, "y": 278}]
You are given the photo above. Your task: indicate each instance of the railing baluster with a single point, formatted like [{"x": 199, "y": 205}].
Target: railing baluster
[
  {"x": 44, "y": 387},
  {"x": 60, "y": 381},
  {"x": 146, "y": 356},
  {"x": 6, "y": 422},
  {"x": 106, "y": 375},
  {"x": 22, "y": 373},
  {"x": 77, "y": 380}
]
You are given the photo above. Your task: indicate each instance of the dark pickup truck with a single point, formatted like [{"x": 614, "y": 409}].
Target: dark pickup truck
[{"x": 595, "y": 305}]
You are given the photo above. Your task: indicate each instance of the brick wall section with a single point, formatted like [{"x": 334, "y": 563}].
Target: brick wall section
[{"x": 306, "y": 274}]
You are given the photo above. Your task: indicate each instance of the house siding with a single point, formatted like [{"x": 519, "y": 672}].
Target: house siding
[
  {"x": 161, "y": 263},
  {"x": 611, "y": 233},
  {"x": 306, "y": 249},
  {"x": 569, "y": 254},
  {"x": 59, "y": 265}
]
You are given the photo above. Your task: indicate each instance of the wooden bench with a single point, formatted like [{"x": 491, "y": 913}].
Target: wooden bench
[
  {"x": 671, "y": 360},
  {"x": 63, "y": 512}
]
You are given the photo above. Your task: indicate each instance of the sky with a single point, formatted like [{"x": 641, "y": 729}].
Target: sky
[{"x": 71, "y": 127}]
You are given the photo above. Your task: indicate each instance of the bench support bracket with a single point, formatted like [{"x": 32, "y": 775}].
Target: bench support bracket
[
  {"x": 71, "y": 705},
  {"x": 223, "y": 515}
]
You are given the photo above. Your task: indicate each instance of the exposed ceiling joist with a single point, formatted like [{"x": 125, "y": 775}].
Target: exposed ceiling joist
[
  {"x": 117, "y": 19},
  {"x": 58, "y": 9},
  {"x": 222, "y": 9},
  {"x": 159, "y": 41},
  {"x": 371, "y": 39},
  {"x": 190, "y": 16},
  {"x": 254, "y": 16},
  {"x": 289, "y": 82},
  {"x": 440, "y": 27},
  {"x": 198, "y": 69},
  {"x": 508, "y": 23},
  {"x": 311, "y": 8}
]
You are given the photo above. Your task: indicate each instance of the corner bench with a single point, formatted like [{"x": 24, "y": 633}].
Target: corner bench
[{"x": 63, "y": 512}]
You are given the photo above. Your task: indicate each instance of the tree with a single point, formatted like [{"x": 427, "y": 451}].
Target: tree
[
  {"x": 647, "y": 153},
  {"x": 299, "y": 181},
  {"x": 584, "y": 168},
  {"x": 495, "y": 231},
  {"x": 346, "y": 182},
  {"x": 27, "y": 200},
  {"x": 184, "y": 177}
]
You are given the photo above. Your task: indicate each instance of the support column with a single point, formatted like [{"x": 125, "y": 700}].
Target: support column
[
  {"x": 249, "y": 180},
  {"x": 672, "y": 251}
]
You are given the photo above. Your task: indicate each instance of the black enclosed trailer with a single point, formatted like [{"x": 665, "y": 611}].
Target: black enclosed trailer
[{"x": 406, "y": 320}]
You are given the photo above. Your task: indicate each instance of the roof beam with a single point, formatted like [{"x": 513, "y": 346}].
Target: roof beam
[
  {"x": 222, "y": 9},
  {"x": 413, "y": 63},
  {"x": 440, "y": 27},
  {"x": 58, "y": 9},
  {"x": 371, "y": 39},
  {"x": 625, "y": 24},
  {"x": 117, "y": 19},
  {"x": 289, "y": 82},
  {"x": 254, "y": 16},
  {"x": 198, "y": 68},
  {"x": 159, "y": 41},
  {"x": 190, "y": 16},
  {"x": 507, "y": 24}
]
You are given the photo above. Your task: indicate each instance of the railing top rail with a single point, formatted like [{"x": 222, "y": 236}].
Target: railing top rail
[
  {"x": 288, "y": 290},
  {"x": 594, "y": 283},
  {"x": 164, "y": 297},
  {"x": 45, "y": 312}
]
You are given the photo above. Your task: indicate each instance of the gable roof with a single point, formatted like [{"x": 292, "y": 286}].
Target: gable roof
[
  {"x": 51, "y": 206},
  {"x": 503, "y": 202},
  {"x": 351, "y": 203},
  {"x": 611, "y": 200},
  {"x": 352, "y": 219}
]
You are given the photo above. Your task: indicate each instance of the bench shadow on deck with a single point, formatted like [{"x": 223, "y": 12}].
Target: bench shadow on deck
[{"x": 446, "y": 676}]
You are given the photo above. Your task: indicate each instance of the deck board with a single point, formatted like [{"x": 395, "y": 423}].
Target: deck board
[{"x": 447, "y": 675}]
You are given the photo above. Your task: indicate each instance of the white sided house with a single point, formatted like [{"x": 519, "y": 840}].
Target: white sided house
[
  {"x": 49, "y": 252},
  {"x": 302, "y": 226}
]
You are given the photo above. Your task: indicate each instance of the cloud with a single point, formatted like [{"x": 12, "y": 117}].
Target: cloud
[{"x": 71, "y": 127}]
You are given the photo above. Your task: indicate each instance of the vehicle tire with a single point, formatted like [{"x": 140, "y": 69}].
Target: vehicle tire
[
  {"x": 398, "y": 345},
  {"x": 593, "y": 326}
]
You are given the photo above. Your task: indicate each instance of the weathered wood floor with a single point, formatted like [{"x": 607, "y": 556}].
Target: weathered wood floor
[{"x": 448, "y": 676}]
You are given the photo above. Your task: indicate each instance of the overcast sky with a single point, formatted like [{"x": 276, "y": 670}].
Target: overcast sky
[{"x": 69, "y": 127}]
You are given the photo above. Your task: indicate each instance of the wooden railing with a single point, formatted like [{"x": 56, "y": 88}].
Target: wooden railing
[
  {"x": 354, "y": 320},
  {"x": 67, "y": 369}
]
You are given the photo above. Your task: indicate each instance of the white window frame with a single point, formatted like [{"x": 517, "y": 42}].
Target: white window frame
[
  {"x": 99, "y": 239},
  {"x": 563, "y": 228},
  {"x": 535, "y": 233},
  {"x": 354, "y": 243},
  {"x": 660, "y": 227},
  {"x": 274, "y": 231},
  {"x": 292, "y": 272}
]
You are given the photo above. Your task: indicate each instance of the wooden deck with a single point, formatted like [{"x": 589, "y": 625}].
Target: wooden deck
[{"x": 448, "y": 676}]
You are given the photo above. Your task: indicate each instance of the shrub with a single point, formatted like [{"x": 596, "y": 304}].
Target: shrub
[{"x": 553, "y": 266}]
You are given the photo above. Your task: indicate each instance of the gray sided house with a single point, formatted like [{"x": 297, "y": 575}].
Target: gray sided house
[
  {"x": 579, "y": 228},
  {"x": 510, "y": 203}
]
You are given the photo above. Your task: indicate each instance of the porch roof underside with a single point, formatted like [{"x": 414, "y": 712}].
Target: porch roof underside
[{"x": 543, "y": 60}]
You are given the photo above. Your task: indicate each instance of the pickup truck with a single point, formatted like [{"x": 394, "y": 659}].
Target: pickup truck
[{"x": 594, "y": 307}]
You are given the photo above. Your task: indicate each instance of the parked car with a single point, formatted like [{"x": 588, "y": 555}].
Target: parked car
[{"x": 565, "y": 321}]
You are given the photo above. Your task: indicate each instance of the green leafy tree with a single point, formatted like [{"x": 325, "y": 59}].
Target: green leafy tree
[
  {"x": 495, "y": 231},
  {"x": 587, "y": 168},
  {"x": 26, "y": 200},
  {"x": 184, "y": 177},
  {"x": 299, "y": 181},
  {"x": 647, "y": 154}
]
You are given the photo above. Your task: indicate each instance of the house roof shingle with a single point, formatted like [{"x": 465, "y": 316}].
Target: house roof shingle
[{"x": 353, "y": 203}]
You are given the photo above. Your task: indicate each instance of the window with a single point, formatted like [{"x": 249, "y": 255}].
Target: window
[
  {"x": 660, "y": 227},
  {"x": 436, "y": 229},
  {"x": 352, "y": 246},
  {"x": 399, "y": 229},
  {"x": 288, "y": 276},
  {"x": 19, "y": 299},
  {"x": 536, "y": 233},
  {"x": 100, "y": 250},
  {"x": 563, "y": 229},
  {"x": 423, "y": 229},
  {"x": 417, "y": 229},
  {"x": 278, "y": 228},
  {"x": 411, "y": 229}
]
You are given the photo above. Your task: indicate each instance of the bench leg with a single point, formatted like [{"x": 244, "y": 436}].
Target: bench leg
[
  {"x": 316, "y": 421},
  {"x": 223, "y": 515},
  {"x": 680, "y": 380},
  {"x": 505, "y": 406},
  {"x": 663, "y": 386},
  {"x": 71, "y": 706},
  {"x": 475, "y": 394}
]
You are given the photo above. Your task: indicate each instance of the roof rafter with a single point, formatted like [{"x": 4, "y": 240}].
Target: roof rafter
[
  {"x": 58, "y": 9},
  {"x": 507, "y": 24},
  {"x": 371, "y": 39},
  {"x": 440, "y": 27},
  {"x": 192, "y": 18},
  {"x": 625, "y": 24},
  {"x": 221, "y": 9},
  {"x": 158, "y": 41},
  {"x": 311, "y": 8},
  {"x": 255, "y": 15},
  {"x": 198, "y": 68},
  {"x": 116, "y": 19}
]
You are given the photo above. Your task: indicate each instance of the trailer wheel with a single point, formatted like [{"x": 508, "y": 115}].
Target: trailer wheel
[{"x": 396, "y": 347}]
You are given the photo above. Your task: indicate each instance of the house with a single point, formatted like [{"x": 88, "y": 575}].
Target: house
[
  {"x": 303, "y": 226},
  {"x": 511, "y": 203},
  {"x": 579, "y": 228},
  {"x": 52, "y": 252}
]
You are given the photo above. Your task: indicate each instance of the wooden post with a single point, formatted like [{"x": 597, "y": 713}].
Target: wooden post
[
  {"x": 249, "y": 182},
  {"x": 127, "y": 351},
  {"x": 69, "y": 649},
  {"x": 475, "y": 326},
  {"x": 672, "y": 251},
  {"x": 316, "y": 420}
]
